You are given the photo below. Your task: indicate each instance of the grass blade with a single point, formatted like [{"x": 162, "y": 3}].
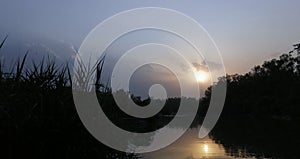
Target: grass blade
[{"x": 2, "y": 43}]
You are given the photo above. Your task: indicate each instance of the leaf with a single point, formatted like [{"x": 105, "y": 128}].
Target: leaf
[{"x": 3, "y": 41}]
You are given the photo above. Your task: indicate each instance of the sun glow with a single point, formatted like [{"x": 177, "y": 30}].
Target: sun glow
[{"x": 201, "y": 76}]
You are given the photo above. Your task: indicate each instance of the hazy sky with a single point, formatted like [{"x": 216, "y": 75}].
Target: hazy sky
[{"x": 246, "y": 32}]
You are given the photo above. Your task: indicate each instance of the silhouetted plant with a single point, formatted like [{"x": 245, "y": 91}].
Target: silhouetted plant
[{"x": 37, "y": 114}]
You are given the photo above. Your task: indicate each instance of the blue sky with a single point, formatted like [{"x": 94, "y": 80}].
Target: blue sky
[{"x": 246, "y": 32}]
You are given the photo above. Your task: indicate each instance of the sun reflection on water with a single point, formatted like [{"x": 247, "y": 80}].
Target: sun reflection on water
[
  {"x": 205, "y": 148},
  {"x": 189, "y": 146}
]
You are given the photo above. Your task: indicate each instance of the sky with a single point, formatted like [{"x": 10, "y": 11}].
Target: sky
[{"x": 246, "y": 32}]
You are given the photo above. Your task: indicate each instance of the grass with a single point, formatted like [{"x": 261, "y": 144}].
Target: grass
[{"x": 37, "y": 114}]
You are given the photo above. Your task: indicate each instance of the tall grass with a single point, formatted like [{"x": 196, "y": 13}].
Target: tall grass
[
  {"x": 2, "y": 43},
  {"x": 1, "y": 62},
  {"x": 25, "y": 89},
  {"x": 27, "y": 85},
  {"x": 84, "y": 74},
  {"x": 38, "y": 118}
]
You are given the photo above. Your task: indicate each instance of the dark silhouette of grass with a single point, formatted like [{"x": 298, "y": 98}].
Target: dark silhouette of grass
[
  {"x": 38, "y": 117},
  {"x": 2, "y": 43}
]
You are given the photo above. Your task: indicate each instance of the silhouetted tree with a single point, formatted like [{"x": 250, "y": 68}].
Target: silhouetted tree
[{"x": 262, "y": 108}]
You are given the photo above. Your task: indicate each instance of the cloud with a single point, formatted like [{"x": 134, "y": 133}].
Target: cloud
[
  {"x": 213, "y": 66},
  {"x": 199, "y": 66}
]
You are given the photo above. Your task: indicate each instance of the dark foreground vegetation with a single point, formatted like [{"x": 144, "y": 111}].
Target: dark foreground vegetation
[{"x": 38, "y": 118}]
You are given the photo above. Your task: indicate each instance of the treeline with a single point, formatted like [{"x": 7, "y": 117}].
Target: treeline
[{"x": 262, "y": 109}]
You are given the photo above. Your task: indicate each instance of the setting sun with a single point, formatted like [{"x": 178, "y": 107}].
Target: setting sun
[{"x": 201, "y": 76}]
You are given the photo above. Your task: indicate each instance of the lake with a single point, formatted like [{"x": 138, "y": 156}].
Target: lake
[{"x": 189, "y": 146}]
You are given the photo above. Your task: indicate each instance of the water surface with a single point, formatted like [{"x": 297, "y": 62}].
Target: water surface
[{"x": 189, "y": 146}]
